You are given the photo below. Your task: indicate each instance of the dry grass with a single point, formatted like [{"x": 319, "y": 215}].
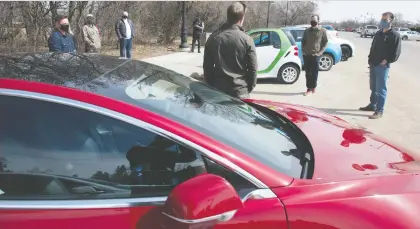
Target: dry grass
[
  {"x": 142, "y": 51},
  {"x": 146, "y": 50}
]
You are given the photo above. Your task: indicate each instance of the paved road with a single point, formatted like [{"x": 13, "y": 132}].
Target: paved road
[{"x": 344, "y": 89}]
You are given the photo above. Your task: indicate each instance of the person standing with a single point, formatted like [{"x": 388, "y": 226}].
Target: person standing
[
  {"x": 61, "y": 40},
  {"x": 385, "y": 49},
  {"x": 91, "y": 35},
  {"x": 314, "y": 43},
  {"x": 230, "y": 60},
  {"x": 125, "y": 32},
  {"x": 198, "y": 28}
]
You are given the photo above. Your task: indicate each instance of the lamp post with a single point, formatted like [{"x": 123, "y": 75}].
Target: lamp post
[
  {"x": 184, "y": 31},
  {"x": 287, "y": 10},
  {"x": 268, "y": 12}
]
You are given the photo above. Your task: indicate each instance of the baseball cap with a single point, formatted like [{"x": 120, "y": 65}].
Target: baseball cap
[
  {"x": 89, "y": 15},
  {"x": 125, "y": 13}
]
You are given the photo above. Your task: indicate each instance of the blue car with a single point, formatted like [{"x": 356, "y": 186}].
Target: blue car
[{"x": 331, "y": 56}]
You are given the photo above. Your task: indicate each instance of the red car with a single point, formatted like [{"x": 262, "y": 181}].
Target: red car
[{"x": 97, "y": 142}]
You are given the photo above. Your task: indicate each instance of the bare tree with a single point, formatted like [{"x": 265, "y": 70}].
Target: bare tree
[{"x": 398, "y": 19}]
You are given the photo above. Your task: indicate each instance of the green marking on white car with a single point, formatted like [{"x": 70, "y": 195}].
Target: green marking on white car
[{"x": 277, "y": 55}]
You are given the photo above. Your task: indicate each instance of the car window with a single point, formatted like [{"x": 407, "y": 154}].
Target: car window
[
  {"x": 289, "y": 36},
  {"x": 256, "y": 37},
  {"x": 371, "y": 27},
  {"x": 328, "y": 27},
  {"x": 265, "y": 39},
  {"x": 275, "y": 38},
  {"x": 261, "y": 38},
  {"x": 297, "y": 35},
  {"x": 53, "y": 151},
  {"x": 208, "y": 111},
  {"x": 404, "y": 29}
]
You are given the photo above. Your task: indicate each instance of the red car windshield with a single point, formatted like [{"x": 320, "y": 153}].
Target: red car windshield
[{"x": 215, "y": 114}]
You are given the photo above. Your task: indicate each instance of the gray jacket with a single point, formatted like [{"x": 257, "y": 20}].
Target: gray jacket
[
  {"x": 314, "y": 41},
  {"x": 230, "y": 61},
  {"x": 120, "y": 29}
]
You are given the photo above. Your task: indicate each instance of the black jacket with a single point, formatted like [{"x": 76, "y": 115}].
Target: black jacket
[
  {"x": 197, "y": 28},
  {"x": 120, "y": 29},
  {"x": 230, "y": 61},
  {"x": 385, "y": 46}
]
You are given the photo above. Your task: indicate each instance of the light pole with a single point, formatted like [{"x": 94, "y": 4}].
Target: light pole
[
  {"x": 287, "y": 10},
  {"x": 184, "y": 31},
  {"x": 268, "y": 12}
]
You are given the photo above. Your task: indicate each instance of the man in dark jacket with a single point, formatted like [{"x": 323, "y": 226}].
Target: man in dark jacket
[
  {"x": 125, "y": 33},
  {"x": 198, "y": 27},
  {"x": 61, "y": 40},
  {"x": 314, "y": 43},
  {"x": 230, "y": 60},
  {"x": 385, "y": 49}
]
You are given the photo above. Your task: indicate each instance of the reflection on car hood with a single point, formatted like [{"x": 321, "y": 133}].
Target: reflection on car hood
[{"x": 343, "y": 150}]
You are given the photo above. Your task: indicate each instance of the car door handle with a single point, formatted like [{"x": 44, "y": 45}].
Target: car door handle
[{"x": 277, "y": 46}]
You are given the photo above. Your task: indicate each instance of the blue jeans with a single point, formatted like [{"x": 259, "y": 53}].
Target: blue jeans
[
  {"x": 378, "y": 78},
  {"x": 125, "y": 47}
]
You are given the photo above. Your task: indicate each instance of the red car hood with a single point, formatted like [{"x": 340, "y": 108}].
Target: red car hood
[{"x": 343, "y": 150}]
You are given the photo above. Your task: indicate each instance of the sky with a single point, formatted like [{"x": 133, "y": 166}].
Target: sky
[{"x": 343, "y": 10}]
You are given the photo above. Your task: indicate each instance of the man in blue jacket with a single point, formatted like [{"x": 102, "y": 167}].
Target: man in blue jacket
[
  {"x": 385, "y": 49},
  {"x": 61, "y": 40},
  {"x": 125, "y": 32}
]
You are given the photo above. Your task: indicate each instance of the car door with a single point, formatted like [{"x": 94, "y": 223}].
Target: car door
[
  {"x": 267, "y": 44},
  {"x": 73, "y": 166}
]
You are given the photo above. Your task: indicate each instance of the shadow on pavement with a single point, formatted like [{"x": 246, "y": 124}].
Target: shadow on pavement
[
  {"x": 276, "y": 93},
  {"x": 267, "y": 81},
  {"x": 347, "y": 112}
]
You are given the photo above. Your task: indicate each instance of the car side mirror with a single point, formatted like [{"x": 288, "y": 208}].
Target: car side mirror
[{"x": 201, "y": 202}]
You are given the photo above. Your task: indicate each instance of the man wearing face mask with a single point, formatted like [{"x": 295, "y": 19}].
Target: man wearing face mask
[
  {"x": 61, "y": 40},
  {"x": 230, "y": 60},
  {"x": 385, "y": 49},
  {"x": 314, "y": 43},
  {"x": 91, "y": 35},
  {"x": 125, "y": 32}
]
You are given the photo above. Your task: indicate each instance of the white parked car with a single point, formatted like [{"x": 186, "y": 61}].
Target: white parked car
[
  {"x": 347, "y": 48},
  {"x": 410, "y": 35},
  {"x": 369, "y": 31}
]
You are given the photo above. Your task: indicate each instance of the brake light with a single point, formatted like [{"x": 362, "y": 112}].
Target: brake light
[
  {"x": 296, "y": 48},
  {"x": 296, "y": 51}
]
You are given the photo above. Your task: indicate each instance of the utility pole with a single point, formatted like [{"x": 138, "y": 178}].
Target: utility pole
[
  {"x": 268, "y": 12},
  {"x": 184, "y": 31},
  {"x": 287, "y": 10}
]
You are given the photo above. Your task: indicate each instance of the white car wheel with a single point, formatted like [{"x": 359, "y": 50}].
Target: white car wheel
[
  {"x": 326, "y": 62},
  {"x": 288, "y": 74}
]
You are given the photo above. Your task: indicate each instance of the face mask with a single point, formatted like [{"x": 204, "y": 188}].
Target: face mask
[
  {"x": 65, "y": 28},
  {"x": 314, "y": 23},
  {"x": 384, "y": 24}
]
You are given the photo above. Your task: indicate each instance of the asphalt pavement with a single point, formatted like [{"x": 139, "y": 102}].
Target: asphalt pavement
[{"x": 345, "y": 88}]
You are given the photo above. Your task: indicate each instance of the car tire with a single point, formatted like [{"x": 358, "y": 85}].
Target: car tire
[
  {"x": 404, "y": 38},
  {"x": 288, "y": 74},
  {"x": 346, "y": 52},
  {"x": 326, "y": 61}
]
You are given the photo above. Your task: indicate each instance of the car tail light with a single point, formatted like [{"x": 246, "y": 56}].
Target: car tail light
[
  {"x": 296, "y": 48},
  {"x": 296, "y": 51}
]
